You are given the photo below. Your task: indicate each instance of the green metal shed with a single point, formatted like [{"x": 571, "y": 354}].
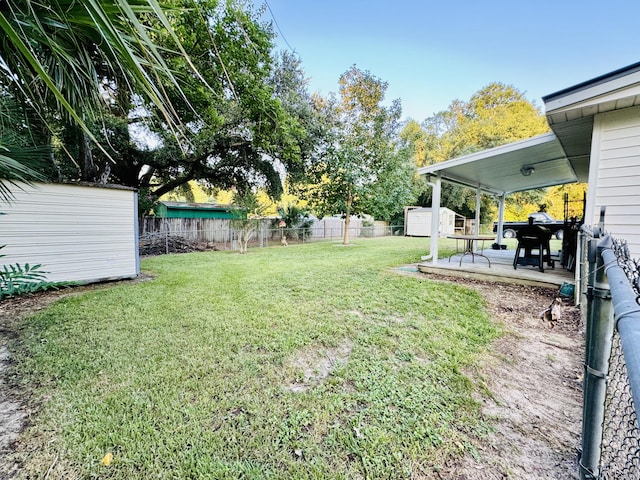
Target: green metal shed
[{"x": 198, "y": 210}]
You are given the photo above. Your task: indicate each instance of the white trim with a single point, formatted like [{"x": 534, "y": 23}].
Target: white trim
[
  {"x": 571, "y": 99},
  {"x": 594, "y": 165},
  {"x": 136, "y": 229}
]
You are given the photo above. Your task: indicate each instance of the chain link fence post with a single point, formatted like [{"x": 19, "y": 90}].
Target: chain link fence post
[{"x": 598, "y": 350}]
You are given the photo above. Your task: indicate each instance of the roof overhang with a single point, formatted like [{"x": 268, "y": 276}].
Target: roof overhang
[
  {"x": 570, "y": 112},
  {"x": 556, "y": 158},
  {"x": 613, "y": 91},
  {"x": 537, "y": 162}
]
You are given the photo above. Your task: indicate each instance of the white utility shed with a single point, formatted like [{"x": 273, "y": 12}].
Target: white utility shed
[
  {"x": 82, "y": 233},
  {"x": 417, "y": 221}
]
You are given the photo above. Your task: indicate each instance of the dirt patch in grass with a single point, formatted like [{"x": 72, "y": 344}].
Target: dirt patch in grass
[
  {"x": 314, "y": 364},
  {"x": 532, "y": 383},
  {"x": 12, "y": 413}
]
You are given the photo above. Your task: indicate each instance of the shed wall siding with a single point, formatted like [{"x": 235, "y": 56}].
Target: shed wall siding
[
  {"x": 418, "y": 223},
  {"x": 78, "y": 233},
  {"x": 616, "y": 149}
]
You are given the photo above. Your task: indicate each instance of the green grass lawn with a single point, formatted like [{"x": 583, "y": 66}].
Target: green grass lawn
[{"x": 217, "y": 368}]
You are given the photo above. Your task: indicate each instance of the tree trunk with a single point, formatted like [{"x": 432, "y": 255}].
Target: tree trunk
[
  {"x": 347, "y": 222},
  {"x": 245, "y": 245},
  {"x": 89, "y": 171},
  {"x": 242, "y": 243},
  {"x": 245, "y": 233}
]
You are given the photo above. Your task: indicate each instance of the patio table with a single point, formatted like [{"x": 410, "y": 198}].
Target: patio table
[{"x": 468, "y": 246}]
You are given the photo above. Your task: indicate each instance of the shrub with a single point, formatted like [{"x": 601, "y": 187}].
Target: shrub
[{"x": 19, "y": 279}]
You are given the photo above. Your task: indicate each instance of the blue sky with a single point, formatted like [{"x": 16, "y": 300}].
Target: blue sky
[{"x": 432, "y": 52}]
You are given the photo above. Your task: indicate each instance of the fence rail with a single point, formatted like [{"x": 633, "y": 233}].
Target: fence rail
[{"x": 610, "y": 434}]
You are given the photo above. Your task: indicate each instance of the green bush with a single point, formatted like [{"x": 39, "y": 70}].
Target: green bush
[{"x": 19, "y": 279}]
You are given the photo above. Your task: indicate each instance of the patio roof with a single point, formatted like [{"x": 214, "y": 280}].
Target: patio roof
[
  {"x": 533, "y": 163},
  {"x": 557, "y": 158}
]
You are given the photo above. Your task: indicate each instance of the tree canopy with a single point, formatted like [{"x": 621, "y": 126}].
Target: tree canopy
[
  {"x": 360, "y": 168},
  {"x": 124, "y": 103},
  {"x": 60, "y": 59},
  {"x": 235, "y": 131},
  {"x": 495, "y": 115},
  {"x": 154, "y": 97}
]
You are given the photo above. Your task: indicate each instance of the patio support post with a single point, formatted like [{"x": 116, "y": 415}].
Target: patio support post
[
  {"x": 435, "y": 218},
  {"x": 477, "y": 225},
  {"x": 500, "y": 219}
]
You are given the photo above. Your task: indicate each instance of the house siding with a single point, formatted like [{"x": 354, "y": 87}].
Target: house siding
[
  {"x": 616, "y": 178},
  {"x": 77, "y": 232}
]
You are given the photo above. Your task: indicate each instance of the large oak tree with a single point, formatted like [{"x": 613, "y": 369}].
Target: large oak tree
[{"x": 246, "y": 120}]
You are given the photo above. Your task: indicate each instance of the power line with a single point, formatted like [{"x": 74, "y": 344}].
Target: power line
[{"x": 278, "y": 26}]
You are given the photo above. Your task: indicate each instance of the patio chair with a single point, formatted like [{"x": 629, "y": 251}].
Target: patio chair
[{"x": 534, "y": 240}]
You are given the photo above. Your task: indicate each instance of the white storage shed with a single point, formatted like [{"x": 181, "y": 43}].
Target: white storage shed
[
  {"x": 417, "y": 221},
  {"x": 78, "y": 232}
]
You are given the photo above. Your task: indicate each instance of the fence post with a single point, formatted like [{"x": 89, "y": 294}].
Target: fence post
[
  {"x": 598, "y": 350},
  {"x": 261, "y": 234}
]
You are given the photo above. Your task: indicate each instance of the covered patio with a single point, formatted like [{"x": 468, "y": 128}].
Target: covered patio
[
  {"x": 538, "y": 162},
  {"x": 501, "y": 269}
]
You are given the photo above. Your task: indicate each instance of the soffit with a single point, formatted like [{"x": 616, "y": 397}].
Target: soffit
[
  {"x": 588, "y": 107},
  {"x": 499, "y": 170}
]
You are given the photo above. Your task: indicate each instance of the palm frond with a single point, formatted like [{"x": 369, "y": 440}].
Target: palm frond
[
  {"x": 66, "y": 48},
  {"x": 12, "y": 173},
  {"x": 20, "y": 161},
  {"x": 61, "y": 53}
]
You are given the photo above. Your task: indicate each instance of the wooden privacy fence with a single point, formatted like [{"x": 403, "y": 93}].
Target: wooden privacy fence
[
  {"x": 220, "y": 230},
  {"x": 215, "y": 230},
  {"x": 164, "y": 235}
]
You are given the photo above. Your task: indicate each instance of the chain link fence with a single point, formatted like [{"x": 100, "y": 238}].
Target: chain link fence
[
  {"x": 620, "y": 457},
  {"x": 620, "y": 448},
  {"x": 611, "y": 438}
]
